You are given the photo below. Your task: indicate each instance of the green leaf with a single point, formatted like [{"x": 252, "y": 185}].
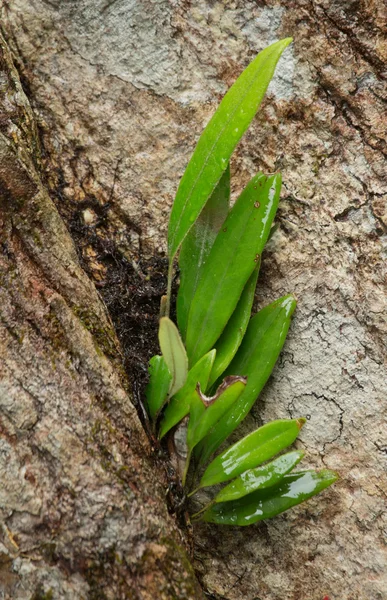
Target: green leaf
[
  {"x": 232, "y": 260},
  {"x": 217, "y": 142},
  {"x": 260, "y": 478},
  {"x": 264, "y": 504},
  {"x": 174, "y": 354},
  {"x": 179, "y": 405},
  {"x": 252, "y": 450},
  {"x": 233, "y": 333},
  {"x": 197, "y": 245},
  {"x": 226, "y": 395},
  {"x": 159, "y": 382},
  {"x": 255, "y": 359}
]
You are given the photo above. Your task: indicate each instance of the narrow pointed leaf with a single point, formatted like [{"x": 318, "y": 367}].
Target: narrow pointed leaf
[
  {"x": 252, "y": 450},
  {"x": 217, "y": 142},
  {"x": 255, "y": 359},
  {"x": 233, "y": 333},
  {"x": 232, "y": 260},
  {"x": 227, "y": 394},
  {"x": 197, "y": 245},
  {"x": 264, "y": 504},
  {"x": 159, "y": 382},
  {"x": 174, "y": 354},
  {"x": 198, "y": 408},
  {"x": 260, "y": 478},
  {"x": 179, "y": 405}
]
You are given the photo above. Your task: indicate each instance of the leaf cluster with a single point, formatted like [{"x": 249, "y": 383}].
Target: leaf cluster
[{"x": 213, "y": 366}]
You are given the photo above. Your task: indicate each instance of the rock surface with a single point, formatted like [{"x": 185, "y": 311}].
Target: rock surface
[
  {"x": 82, "y": 504},
  {"x": 121, "y": 90}
]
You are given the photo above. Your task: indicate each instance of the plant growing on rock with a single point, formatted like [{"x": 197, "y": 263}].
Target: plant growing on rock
[{"x": 213, "y": 366}]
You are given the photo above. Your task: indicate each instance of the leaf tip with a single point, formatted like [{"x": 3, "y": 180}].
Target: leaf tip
[
  {"x": 289, "y": 303},
  {"x": 285, "y": 42},
  {"x": 300, "y": 422},
  {"x": 331, "y": 475}
]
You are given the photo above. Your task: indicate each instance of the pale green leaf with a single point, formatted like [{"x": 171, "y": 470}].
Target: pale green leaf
[
  {"x": 217, "y": 142},
  {"x": 159, "y": 383},
  {"x": 174, "y": 354}
]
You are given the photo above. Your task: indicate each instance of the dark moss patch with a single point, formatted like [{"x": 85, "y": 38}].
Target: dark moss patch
[
  {"x": 107, "y": 569},
  {"x": 131, "y": 289},
  {"x": 40, "y": 594},
  {"x": 104, "y": 338},
  {"x": 175, "y": 583}
]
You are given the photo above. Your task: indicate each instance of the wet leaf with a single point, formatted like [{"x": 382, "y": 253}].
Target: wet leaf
[
  {"x": 264, "y": 504},
  {"x": 217, "y": 142},
  {"x": 255, "y": 359},
  {"x": 174, "y": 354},
  {"x": 159, "y": 382},
  {"x": 233, "y": 257},
  {"x": 260, "y": 478},
  {"x": 233, "y": 333},
  {"x": 179, "y": 405},
  {"x": 252, "y": 450},
  {"x": 197, "y": 245}
]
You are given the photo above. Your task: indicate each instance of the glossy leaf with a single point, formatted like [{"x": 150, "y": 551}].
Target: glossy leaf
[
  {"x": 226, "y": 395},
  {"x": 159, "y": 383},
  {"x": 174, "y": 353},
  {"x": 261, "y": 477},
  {"x": 197, "y": 245},
  {"x": 233, "y": 333},
  {"x": 232, "y": 260},
  {"x": 217, "y": 142},
  {"x": 252, "y": 450},
  {"x": 264, "y": 504},
  {"x": 255, "y": 359},
  {"x": 179, "y": 405}
]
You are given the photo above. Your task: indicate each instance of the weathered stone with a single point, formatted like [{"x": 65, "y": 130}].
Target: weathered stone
[
  {"x": 121, "y": 91},
  {"x": 82, "y": 507}
]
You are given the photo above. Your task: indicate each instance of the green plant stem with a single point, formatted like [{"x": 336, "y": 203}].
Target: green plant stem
[
  {"x": 186, "y": 467},
  {"x": 193, "y": 492},
  {"x": 169, "y": 288},
  {"x": 202, "y": 510}
]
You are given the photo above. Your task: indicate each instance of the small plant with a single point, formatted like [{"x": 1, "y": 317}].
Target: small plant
[{"x": 214, "y": 365}]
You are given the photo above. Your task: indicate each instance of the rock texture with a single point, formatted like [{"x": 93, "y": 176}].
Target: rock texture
[
  {"x": 82, "y": 506},
  {"x": 121, "y": 90}
]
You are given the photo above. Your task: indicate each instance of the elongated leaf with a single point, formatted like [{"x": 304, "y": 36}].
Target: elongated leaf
[
  {"x": 179, "y": 405},
  {"x": 206, "y": 411},
  {"x": 252, "y": 450},
  {"x": 232, "y": 260},
  {"x": 198, "y": 408},
  {"x": 260, "y": 478},
  {"x": 217, "y": 142},
  {"x": 233, "y": 333},
  {"x": 174, "y": 354},
  {"x": 255, "y": 359},
  {"x": 264, "y": 504},
  {"x": 226, "y": 395},
  {"x": 159, "y": 382},
  {"x": 197, "y": 245}
]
